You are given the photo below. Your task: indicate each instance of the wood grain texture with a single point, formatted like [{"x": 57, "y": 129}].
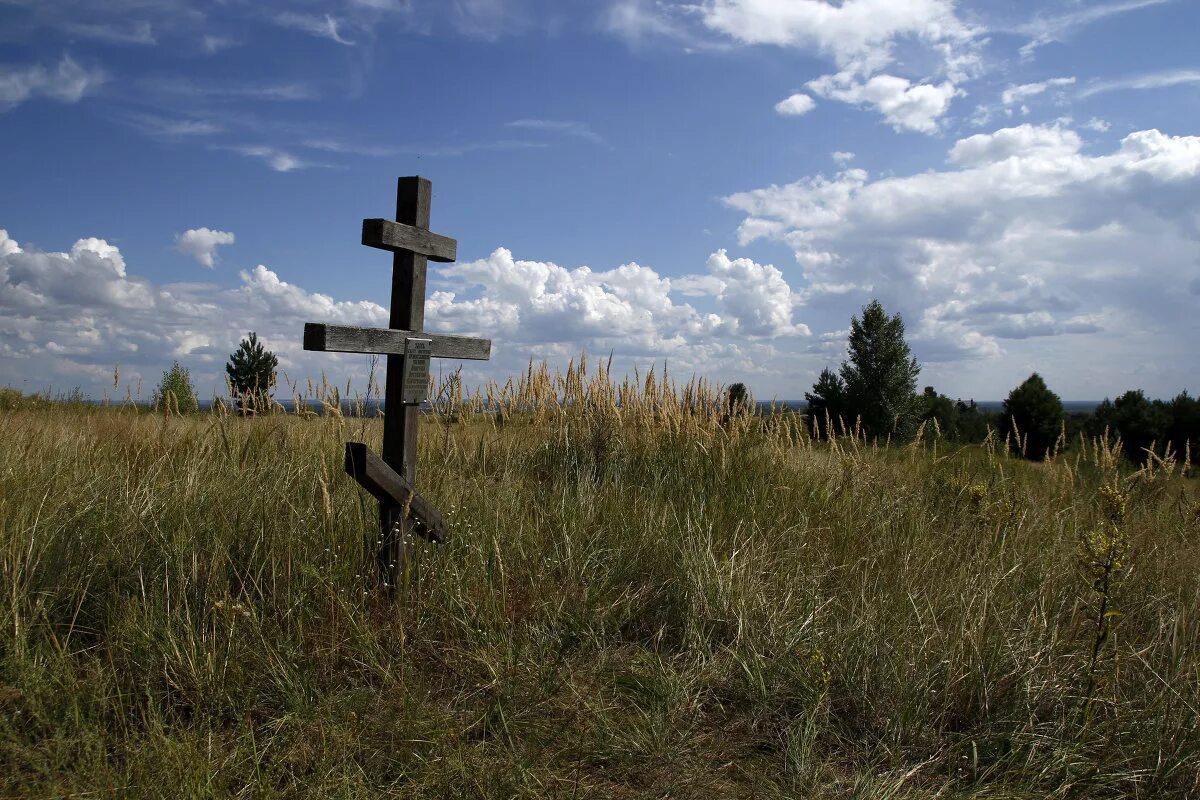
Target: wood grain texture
[
  {"x": 393, "y": 491},
  {"x": 389, "y": 341},
  {"x": 387, "y": 235}
]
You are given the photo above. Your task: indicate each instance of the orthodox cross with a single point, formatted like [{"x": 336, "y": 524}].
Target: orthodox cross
[{"x": 392, "y": 478}]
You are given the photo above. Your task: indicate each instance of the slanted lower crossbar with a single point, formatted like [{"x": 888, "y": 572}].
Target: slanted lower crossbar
[{"x": 392, "y": 490}]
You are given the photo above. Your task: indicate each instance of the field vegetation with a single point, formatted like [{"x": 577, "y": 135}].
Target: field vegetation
[{"x": 642, "y": 595}]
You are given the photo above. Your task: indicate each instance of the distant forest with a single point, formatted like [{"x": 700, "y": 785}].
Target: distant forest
[{"x": 874, "y": 392}]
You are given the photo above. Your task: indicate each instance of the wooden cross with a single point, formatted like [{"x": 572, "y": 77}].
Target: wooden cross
[{"x": 391, "y": 479}]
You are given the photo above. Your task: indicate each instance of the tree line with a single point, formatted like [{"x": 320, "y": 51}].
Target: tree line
[{"x": 874, "y": 393}]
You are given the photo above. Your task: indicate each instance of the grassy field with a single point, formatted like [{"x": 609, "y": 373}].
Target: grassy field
[{"x": 639, "y": 598}]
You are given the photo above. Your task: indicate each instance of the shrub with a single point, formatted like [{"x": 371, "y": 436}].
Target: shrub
[{"x": 175, "y": 391}]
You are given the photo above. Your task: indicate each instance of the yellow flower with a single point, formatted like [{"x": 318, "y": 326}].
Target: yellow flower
[{"x": 1114, "y": 501}]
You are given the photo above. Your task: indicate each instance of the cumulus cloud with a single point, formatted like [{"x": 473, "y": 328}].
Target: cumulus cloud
[
  {"x": 201, "y": 244},
  {"x": 67, "y": 83},
  {"x": 756, "y": 298},
  {"x": 857, "y": 34},
  {"x": 66, "y": 317},
  {"x": 861, "y": 37},
  {"x": 1024, "y": 235},
  {"x": 1024, "y": 141},
  {"x": 795, "y": 106},
  {"x": 905, "y": 105},
  {"x": 631, "y": 305}
]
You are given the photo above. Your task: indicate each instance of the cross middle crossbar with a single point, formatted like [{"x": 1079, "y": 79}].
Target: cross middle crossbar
[{"x": 348, "y": 339}]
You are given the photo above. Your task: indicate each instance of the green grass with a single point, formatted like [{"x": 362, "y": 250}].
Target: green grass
[{"x": 627, "y": 609}]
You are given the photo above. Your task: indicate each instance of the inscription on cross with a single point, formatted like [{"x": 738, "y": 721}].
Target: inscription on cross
[{"x": 392, "y": 478}]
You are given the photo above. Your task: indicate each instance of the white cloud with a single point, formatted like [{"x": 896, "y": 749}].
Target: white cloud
[
  {"x": 795, "y": 106},
  {"x": 156, "y": 125},
  {"x": 1024, "y": 91},
  {"x": 1024, "y": 235},
  {"x": 580, "y": 130},
  {"x": 68, "y": 83},
  {"x": 626, "y": 307},
  {"x": 638, "y": 22},
  {"x": 325, "y": 27},
  {"x": 756, "y": 298},
  {"x": 906, "y": 106},
  {"x": 488, "y": 19},
  {"x": 1024, "y": 142},
  {"x": 1046, "y": 29},
  {"x": 194, "y": 90},
  {"x": 399, "y": 6},
  {"x": 276, "y": 159},
  {"x": 842, "y": 157},
  {"x": 137, "y": 32},
  {"x": 1151, "y": 80},
  {"x": 66, "y": 317},
  {"x": 215, "y": 44},
  {"x": 861, "y": 37},
  {"x": 201, "y": 244},
  {"x": 1097, "y": 124},
  {"x": 857, "y": 34}
]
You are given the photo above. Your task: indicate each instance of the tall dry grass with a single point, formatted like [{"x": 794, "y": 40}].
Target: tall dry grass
[{"x": 642, "y": 596}]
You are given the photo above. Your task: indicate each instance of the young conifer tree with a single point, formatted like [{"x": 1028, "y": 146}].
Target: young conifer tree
[
  {"x": 251, "y": 371},
  {"x": 827, "y": 405},
  {"x": 880, "y": 377}
]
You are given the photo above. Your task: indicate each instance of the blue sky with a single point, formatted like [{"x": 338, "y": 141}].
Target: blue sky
[{"x": 717, "y": 183}]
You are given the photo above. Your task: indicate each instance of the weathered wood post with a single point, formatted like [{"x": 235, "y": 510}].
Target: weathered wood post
[
  {"x": 400, "y": 418},
  {"x": 402, "y": 510}
]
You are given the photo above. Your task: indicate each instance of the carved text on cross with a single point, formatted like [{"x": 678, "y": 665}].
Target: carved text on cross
[{"x": 391, "y": 478}]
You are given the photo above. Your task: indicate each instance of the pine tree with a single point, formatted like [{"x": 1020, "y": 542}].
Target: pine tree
[
  {"x": 175, "y": 391},
  {"x": 251, "y": 371},
  {"x": 881, "y": 375},
  {"x": 827, "y": 403},
  {"x": 1035, "y": 414}
]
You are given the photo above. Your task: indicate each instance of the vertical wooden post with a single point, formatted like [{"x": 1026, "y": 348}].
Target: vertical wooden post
[{"x": 413, "y": 196}]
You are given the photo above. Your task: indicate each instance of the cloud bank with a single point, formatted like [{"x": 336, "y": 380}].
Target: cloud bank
[{"x": 66, "y": 317}]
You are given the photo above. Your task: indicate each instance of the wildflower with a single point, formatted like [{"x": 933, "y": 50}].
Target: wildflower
[{"x": 1114, "y": 501}]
